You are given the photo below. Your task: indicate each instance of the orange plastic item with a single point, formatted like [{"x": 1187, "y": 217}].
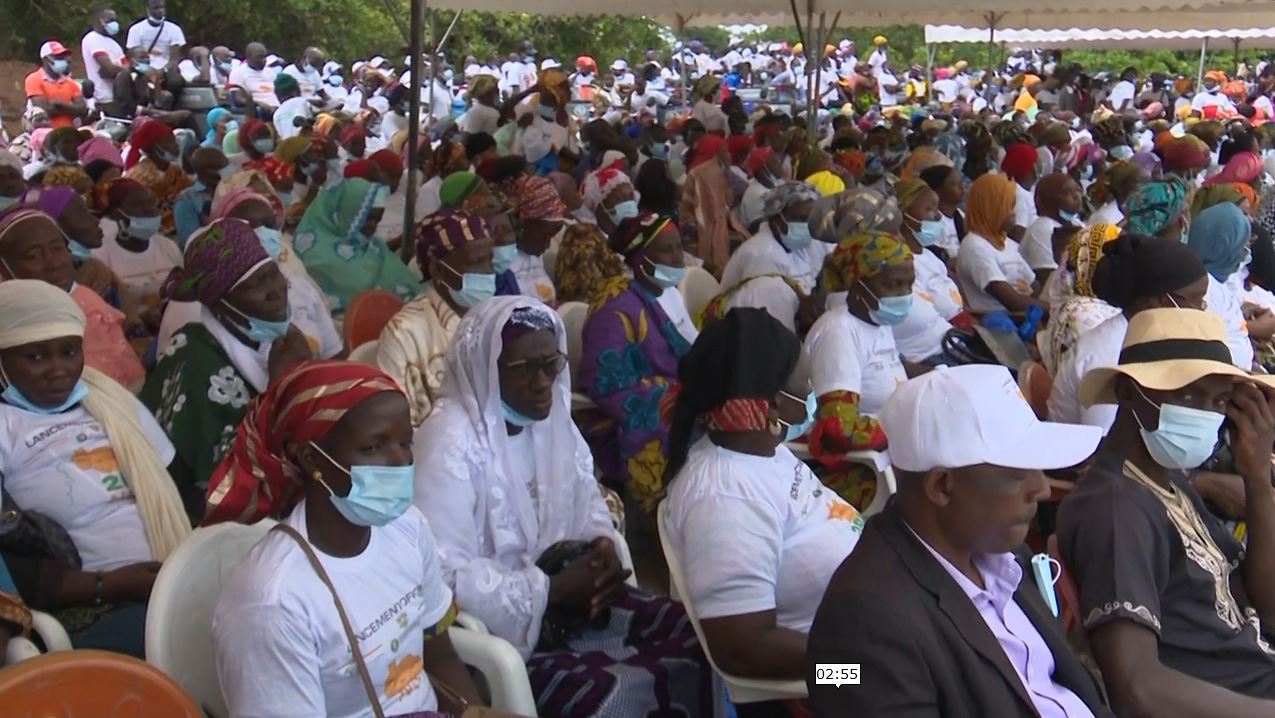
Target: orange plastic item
[
  {"x": 1035, "y": 384},
  {"x": 368, "y": 314},
  {"x": 91, "y": 684}
]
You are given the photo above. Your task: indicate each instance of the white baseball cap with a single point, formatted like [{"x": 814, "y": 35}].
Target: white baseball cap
[
  {"x": 620, "y": 65},
  {"x": 53, "y": 48},
  {"x": 550, "y": 64},
  {"x": 975, "y": 414}
]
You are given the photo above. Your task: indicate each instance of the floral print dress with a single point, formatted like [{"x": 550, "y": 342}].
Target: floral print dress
[
  {"x": 630, "y": 354},
  {"x": 198, "y": 398}
]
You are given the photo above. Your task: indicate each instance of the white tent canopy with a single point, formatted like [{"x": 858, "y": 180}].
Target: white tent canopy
[
  {"x": 1102, "y": 14},
  {"x": 1103, "y": 39}
]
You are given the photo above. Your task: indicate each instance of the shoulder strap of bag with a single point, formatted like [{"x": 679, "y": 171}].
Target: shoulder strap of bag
[
  {"x": 372, "y": 695},
  {"x": 159, "y": 32}
]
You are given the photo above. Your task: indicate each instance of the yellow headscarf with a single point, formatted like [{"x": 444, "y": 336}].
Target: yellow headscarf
[
  {"x": 291, "y": 149},
  {"x": 860, "y": 256},
  {"x": 990, "y": 204},
  {"x": 1083, "y": 252}
]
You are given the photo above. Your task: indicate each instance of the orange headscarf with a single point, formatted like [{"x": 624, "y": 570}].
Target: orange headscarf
[{"x": 990, "y": 204}]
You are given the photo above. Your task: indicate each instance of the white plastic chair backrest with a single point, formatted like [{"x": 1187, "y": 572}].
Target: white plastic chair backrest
[
  {"x": 365, "y": 353},
  {"x": 179, "y": 615},
  {"x": 677, "y": 581},
  {"x": 573, "y": 316},
  {"x": 698, "y": 288},
  {"x": 550, "y": 258}
]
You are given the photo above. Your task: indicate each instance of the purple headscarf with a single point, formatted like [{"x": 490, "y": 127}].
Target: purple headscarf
[
  {"x": 49, "y": 200},
  {"x": 100, "y": 148},
  {"x": 216, "y": 260}
]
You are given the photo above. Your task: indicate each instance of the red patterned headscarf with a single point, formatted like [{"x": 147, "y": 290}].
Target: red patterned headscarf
[{"x": 261, "y": 476}]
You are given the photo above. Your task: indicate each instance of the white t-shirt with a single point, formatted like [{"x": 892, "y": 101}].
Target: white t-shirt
[
  {"x": 285, "y": 117},
  {"x": 1037, "y": 246},
  {"x": 1211, "y": 99},
  {"x": 849, "y": 354},
  {"x": 1226, "y": 303},
  {"x": 533, "y": 280},
  {"x": 772, "y": 294},
  {"x": 888, "y": 99},
  {"x": 947, "y": 90},
  {"x": 935, "y": 285},
  {"x": 876, "y": 60},
  {"x": 674, "y": 306},
  {"x": 763, "y": 254},
  {"x": 951, "y": 240},
  {"x": 281, "y": 650},
  {"x": 1120, "y": 94},
  {"x": 479, "y": 118},
  {"x": 309, "y": 79},
  {"x": 980, "y": 264},
  {"x": 1024, "y": 206},
  {"x": 164, "y": 37},
  {"x": 258, "y": 83},
  {"x": 62, "y": 466},
  {"x": 1097, "y": 348},
  {"x": 757, "y": 533},
  {"x": 142, "y": 274},
  {"x": 1109, "y": 213},
  {"x": 93, "y": 45}
]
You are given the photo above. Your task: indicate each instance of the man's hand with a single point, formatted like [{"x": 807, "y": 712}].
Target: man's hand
[
  {"x": 609, "y": 575},
  {"x": 1254, "y": 433}
]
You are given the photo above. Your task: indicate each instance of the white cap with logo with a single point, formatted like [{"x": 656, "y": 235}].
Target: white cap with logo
[{"x": 975, "y": 414}]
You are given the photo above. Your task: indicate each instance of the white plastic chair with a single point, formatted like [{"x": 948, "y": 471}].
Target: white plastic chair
[
  {"x": 550, "y": 259},
  {"x": 573, "y": 316},
  {"x": 742, "y": 690},
  {"x": 698, "y": 288},
  {"x": 878, "y": 460},
  {"x": 365, "y": 353},
  {"x": 179, "y": 615},
  {"x": 50, "y": 632}
]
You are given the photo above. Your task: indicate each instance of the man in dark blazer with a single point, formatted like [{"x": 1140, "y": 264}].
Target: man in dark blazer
[{"x": 943, "y": 618}]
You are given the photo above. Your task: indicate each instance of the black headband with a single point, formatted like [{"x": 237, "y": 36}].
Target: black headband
[{"x": 1176, "y": 349}]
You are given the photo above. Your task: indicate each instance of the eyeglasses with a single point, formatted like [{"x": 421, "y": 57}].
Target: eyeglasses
[{"x": 550, "y": 366}]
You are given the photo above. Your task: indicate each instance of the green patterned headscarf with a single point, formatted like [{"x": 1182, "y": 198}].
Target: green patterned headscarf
[{"x": 1153, "y": 205}]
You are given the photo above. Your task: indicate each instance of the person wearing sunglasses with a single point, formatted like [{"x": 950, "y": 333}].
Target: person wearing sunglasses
[{"x": 525, "y": 539}]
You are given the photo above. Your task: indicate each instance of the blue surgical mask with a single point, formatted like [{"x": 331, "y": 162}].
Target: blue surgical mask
[
  {"x": 225, "y": 67},
  {"x": 929, "y": 233},
  {"x": 448, "y": 75},
  {"x": 262, "y": 331},
  {"x": 664, "y": 276},
  {"x": 142, "y": 67},
  {"x": 659, "y": 151},
  {"x": 60, "y": 67},
  {"x": 502, "y": 257},
  {"x": 378, "y": 494},
  {"x": 548, "y": 113},
  {"x": 6, "y": 202},
  {"x": 475, "y": 287},
  {"x": 336, "y": 80},
  {"x": 624, "y": 210},
  {"x": 1122, "y": 152},
  {"x": 78, "y": 251},
  {"x": 232, "y": 126},
  {"x": 797, "y": 237},
  {"x": 1069, "y": 217},
  {"x": 113, "y": 27},
  {"x": 796, "y": 431},
  {"x": 334, "y": 167},
  {"x": 269, "y": 238},
  {"x": 13, "y": 397},
  {"x": 890, "y": 311},
  {"x": 512, "y": 416},
  {"x": 143, "y": 227},
  {"x": 264, "y": 145},
  {"x": 1185, "y": 437}
]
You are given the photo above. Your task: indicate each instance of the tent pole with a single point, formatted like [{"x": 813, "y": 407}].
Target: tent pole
[
  {"x": 929, "y": 72},
  {"x": 406, "y": 250},
  {"x": 1237, "y": 56},
  {"x": 1204, "y": 52},
  {"x": 991, "y": 44},
  {"x": 812, "y": 105}
]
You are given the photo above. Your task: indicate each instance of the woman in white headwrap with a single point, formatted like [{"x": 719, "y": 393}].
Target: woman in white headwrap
[
  {"x": 506, "y": 482},
  {"x": 79, "y": 449}
]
